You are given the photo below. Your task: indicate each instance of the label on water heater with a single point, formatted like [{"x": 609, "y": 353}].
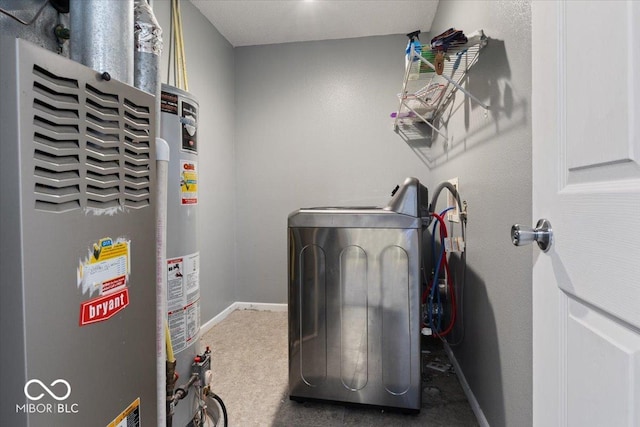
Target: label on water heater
[
  {"x": 183, "y": 300},
  {"x": 188, "y": 182},
  {"x": 169, "y": 103},
  {"x": 189, "y": 121}
]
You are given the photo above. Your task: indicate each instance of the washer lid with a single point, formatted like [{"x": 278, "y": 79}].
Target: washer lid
[
  {"x": 405, "y": 209},
  {"x": 366, "y": 217}
]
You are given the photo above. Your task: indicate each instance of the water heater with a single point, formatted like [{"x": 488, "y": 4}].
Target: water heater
[
  {"x": 77, "y": 244},
  {"x": 179, "y": 127}
]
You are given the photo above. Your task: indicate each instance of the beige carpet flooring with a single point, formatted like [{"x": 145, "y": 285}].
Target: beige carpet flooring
[{"x": 250, "y": 367}]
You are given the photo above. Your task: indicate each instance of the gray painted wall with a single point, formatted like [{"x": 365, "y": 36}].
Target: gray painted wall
[
  {"x": 210, "y": 68},
  {"x": 313, "y": 129},
  {"x": 492, "y": 158}
]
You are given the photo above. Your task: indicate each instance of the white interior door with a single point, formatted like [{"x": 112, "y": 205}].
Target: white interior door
[{"x": 586, "y": 182}]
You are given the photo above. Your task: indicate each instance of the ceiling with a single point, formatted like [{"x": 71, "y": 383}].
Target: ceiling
[{"x": 247, "y": 23}]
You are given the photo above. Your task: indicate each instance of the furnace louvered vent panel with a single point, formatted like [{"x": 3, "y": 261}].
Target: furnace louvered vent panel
[
  {"x": 103, "y": 149},
  {"x": 137, "y": 156},
  {"x": 56, "y": 142},
  {"x": 91, "y": 147}
]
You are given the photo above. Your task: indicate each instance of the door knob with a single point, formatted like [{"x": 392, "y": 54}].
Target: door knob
[{"x": 542, "y": 234}]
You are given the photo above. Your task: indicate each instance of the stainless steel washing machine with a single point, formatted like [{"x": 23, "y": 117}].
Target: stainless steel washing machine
[{"x": 354, "y": 302}]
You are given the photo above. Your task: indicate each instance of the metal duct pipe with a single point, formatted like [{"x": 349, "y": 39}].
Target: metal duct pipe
[
  {"x": 102, "y": 36},
  {"x": 148, "y": 48},
  {"x": 147, "y": 52}
]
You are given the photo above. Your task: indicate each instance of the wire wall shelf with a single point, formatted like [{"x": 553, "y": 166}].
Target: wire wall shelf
[{"x": 431, "y": 80}]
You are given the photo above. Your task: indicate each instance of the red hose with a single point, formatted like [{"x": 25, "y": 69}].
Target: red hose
[
  {"x": 454, "y": 306},
  {"x": 444, "y": 265}
]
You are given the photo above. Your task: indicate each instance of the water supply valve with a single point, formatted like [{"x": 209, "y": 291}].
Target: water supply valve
[{"x": 201, "y": 364}]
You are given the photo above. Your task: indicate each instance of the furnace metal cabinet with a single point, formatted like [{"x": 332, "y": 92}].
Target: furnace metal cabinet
[
  {"x": 354, "y": 303},
  {"x": 77, "y": 252}
]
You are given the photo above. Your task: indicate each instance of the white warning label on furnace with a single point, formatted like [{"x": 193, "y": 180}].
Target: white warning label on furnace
[
  {"x": 106, "y": 267},
  {"x": 183, "y": 300},
  {"x": 130, "y": 417}
]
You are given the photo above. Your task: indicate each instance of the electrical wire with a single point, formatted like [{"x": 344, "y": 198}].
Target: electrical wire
[
  {"x": 170, "y": 52},
  {"x": 221, "y": 403},
  {"x": 204, "y": 413},
  {"x": 180, "y": 52},
  {"x": 179, "y": 56},
  {"x": 184, "y": 56},
  {"x": 218, "y": 401},
  {"x": 176, "y": 43},
  {"x": 196, "y": 406},
  {"x": 10, "y": 15}
]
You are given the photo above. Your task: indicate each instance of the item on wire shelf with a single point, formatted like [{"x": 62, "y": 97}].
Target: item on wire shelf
[
  {"x": 439, "y": 63},
  {"x": 408, "y": 114},
  {"x": 413, "y": 52},
  {"x": 448, "y": 39},
  {"x": 414, "y": 40}
]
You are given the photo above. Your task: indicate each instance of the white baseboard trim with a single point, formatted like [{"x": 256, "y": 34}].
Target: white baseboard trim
[
  {"x": 204, "y": 328},
  {"x": 475, "y": 406},
  {"x": 260, "y": 306}
]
